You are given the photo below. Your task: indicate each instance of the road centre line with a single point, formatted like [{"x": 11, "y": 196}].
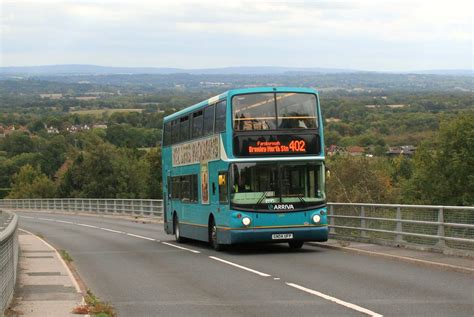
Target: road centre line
[
  {"x": 140, "y": 237},
  {"x": 335, "y": 300},
  {"x": 240, "y": 266},
  {"x": 86, "y": 225},
  {"x": 91, "y": 226},
  {"x": 46, "y": 219},
  {"x": 182, "y": 248},
  {"x": 68, "y": 222},
  {"x": 111, "y": 230}
]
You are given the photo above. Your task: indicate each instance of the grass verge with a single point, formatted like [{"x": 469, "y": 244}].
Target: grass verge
[
  {"x": 65, "y": 255},
  {"x": 95, "y": 307}
]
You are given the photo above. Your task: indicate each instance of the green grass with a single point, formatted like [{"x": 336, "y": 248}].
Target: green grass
[
  {"x": 99, "y": 112},
  {"x": 65, "y": 255}
]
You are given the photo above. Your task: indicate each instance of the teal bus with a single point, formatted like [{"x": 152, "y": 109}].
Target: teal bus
[{"x": 246, "y": 166}]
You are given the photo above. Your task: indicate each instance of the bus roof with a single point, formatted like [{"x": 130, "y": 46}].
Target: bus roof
[{"x": 237, "y": 92}]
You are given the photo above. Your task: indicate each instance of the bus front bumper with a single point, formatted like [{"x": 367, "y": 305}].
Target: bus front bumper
[{"x": 319, "y": 234}]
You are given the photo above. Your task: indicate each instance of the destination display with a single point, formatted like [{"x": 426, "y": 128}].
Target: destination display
[{"x": 276, "y": 145}]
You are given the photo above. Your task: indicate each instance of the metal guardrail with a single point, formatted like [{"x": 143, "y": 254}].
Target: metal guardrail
[
  {"x": 130, "y": 207},
  {"x": 449, "y": 229},
  {"x": 8, "y": 258},
  {"x": 443, "y": 228}
]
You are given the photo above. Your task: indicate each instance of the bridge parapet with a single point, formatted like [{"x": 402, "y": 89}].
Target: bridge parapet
[
  {"x": 125, "y": 207},
  {"x": 449, "y": 229},
  {"x": 8, "y": 257}
]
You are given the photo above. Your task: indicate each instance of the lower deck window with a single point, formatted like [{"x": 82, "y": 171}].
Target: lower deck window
[{"x": 184, "y": 188}]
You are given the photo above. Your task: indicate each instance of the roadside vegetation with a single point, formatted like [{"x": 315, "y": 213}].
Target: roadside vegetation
[
  {"x": 65, "y": 256},
  {"x": 94, "y": 306},
  {"x": 109, "y": 147}
]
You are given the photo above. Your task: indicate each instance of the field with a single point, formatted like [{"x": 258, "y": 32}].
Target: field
[{"x": 99, "y": 112}]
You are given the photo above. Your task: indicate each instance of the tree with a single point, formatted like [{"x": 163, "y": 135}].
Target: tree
[
  {"x": 444, "y": 169},
  {"x": 104, "y": 171},
  {"x": 360, "y": 179},
  {"x": 30, "y": 182},
  {"x": 153, "y": 158},
  {"x": 18, "y": 142},
  {"x": 53, "y": 154}
]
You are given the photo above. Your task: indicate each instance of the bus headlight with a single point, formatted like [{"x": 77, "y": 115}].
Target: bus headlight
[
  {"x": 316, "y": 218},
  {"x": 246, "y": 221}
]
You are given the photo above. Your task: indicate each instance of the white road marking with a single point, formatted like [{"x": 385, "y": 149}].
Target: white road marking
[
  {"x": 111, "y": 230},
  {"x": 140, "y": 237},
  {"x": 178, "y": 247},
  {"x": 86, "y": 225},
  {"x": 276, "y": 278},
  {"x": 27, "y": 217},
  {"x": 46, "y": 219},
  {"x": 240, "y": 266},
  {"x": 68, "y": 222},
  {"x": 335, "y": 300}
]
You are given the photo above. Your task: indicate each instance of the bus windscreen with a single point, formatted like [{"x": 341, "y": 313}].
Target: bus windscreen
[
  {"x": 274, "y": 187},
  {"x": 274, "y": 111}
]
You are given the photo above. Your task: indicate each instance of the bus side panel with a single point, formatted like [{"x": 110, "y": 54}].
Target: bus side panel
[{"x": 167, "y": 202}]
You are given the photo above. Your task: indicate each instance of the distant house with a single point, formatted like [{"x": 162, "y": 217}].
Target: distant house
[
  {"x": 51, "y": 96},
  {"x": 408, "y": 150},
  {"x": 78, "y": 128},
  {"x": 99, "y": 126},
  {"x": 86, "y": 98},
  {"x": 355, "y": 150},
  {"x": 336, "y": 150},
  {"x": 10, "y": 129},
  {"x": 52, "y": 130}
]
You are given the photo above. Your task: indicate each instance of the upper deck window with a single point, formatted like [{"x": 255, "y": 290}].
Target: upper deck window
[
  {"x": 174, "y": 131},
  {"x": 274, "y": 111},
  {"x": 184, "y": 127},
  {"x": 167, "y": 134},
  {"x": 220, "y": 117},
  {"x": 296, "y": 111},
  {"x": 208, "y": 120},
  {"x": 197, "y": 124},
  {"x": 254, "y": 112}
]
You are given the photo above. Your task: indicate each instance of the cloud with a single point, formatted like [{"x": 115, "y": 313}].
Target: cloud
[{"x": 208, "y": 33}]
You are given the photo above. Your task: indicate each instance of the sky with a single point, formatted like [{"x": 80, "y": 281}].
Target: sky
[{"x": 381, "y": 35}]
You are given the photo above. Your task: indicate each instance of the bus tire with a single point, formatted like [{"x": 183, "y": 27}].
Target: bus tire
[
  {"x": 177, "y": 229},
  {"x": 296, "y": 244},
  {"x": 213, "y": 236}
]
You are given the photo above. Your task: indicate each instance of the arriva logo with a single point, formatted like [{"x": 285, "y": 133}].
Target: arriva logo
[{"x": 281, "y": 207}]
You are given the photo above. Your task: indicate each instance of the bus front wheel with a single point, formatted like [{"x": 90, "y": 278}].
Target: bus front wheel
[
  {"x": 177, "y": 230},
  {"x": 296, "y": 244},
  {"x": 213, "y": 236}
]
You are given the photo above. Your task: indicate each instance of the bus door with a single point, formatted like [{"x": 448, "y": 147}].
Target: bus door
[{"x": 221, "y": 191}]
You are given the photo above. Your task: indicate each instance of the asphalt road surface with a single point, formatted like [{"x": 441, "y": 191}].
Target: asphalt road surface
[{"x": 142, "y": 272}]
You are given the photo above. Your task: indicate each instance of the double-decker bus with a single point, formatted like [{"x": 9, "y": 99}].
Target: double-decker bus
[{"x": 246, "y": 166}]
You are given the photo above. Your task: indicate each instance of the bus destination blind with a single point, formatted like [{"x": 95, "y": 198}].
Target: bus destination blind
[{"x": 276, "y": 145}]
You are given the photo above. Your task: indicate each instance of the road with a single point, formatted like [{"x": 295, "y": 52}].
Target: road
[{"x": 143, "y": 272}]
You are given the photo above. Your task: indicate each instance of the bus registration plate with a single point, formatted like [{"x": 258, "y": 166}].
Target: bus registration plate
[{"x": 280, "y": 236}]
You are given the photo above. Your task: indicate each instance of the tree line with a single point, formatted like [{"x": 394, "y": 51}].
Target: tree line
[{"x": 89, "y": 165}]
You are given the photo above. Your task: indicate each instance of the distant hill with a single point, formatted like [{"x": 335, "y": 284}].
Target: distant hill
[
  {"x": 452, "y": 72},
  {"x": 105, "y": 70},
  {"x": 246, "y": 70}
]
